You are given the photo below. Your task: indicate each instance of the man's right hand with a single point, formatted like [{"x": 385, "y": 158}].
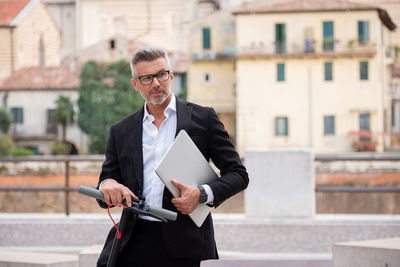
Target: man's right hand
[{"x": 113, "y": 192}]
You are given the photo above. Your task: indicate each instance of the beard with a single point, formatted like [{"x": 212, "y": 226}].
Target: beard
[{"x": 159, "y": 99}]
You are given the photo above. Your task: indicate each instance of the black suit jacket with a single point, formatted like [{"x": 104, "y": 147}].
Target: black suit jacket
[{"x": 124, "y": 163}]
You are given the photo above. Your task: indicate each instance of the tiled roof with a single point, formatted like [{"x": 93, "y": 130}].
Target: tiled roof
[
  {"x": 303, "y": 5},
  {"x": 41, "y": 78},
  {"x": 9, "y": 9}
]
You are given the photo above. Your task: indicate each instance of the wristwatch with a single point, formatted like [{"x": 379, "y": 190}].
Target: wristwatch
[{"x": 203, "y": 194}]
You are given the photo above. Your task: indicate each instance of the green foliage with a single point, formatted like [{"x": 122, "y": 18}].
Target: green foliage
[
  {"x": 105, "y": 97},
  {"x": 22, "y": 152},
  {"x": 6, "y": 145},
  {"x": 5, "y": 120},
  {"x": 61, "y": 148},
  {"x": 64, "y": 113},
  {"x": 65, "y": 110}
]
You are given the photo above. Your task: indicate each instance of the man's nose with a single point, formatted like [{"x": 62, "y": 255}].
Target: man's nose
[{"x": 155, "y": 82}]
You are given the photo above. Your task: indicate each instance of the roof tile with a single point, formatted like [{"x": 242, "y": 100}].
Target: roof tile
[
  {"x": 9, "y": 9},
  {"x": 41, "y": 78}
]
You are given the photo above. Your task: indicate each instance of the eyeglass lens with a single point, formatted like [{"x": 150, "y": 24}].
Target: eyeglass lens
[{"x": 161, "y": 76}]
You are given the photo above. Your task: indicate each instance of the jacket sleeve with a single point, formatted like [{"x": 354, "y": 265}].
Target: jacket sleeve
[
  {"x": 234, "y": 177},
  {"x": 110, "y": 167}
]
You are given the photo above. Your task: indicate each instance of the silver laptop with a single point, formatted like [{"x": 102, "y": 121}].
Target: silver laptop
[{"x": 185, "y": 163}]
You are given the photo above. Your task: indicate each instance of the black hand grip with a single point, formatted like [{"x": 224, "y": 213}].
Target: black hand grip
[{"x": 91, "y": 192}]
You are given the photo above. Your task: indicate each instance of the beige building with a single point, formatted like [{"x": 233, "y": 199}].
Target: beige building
[
  {"x": 30, "y": 96},
  {"x": 28, "y": 36},
  {"x": 313, "y": 73},
  {"x": 150, "y": 22},
  {"x": 211, "y": 75},
  {"x": 64, "y": 15}
]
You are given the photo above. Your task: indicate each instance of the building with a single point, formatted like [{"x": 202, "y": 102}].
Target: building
[
  {"x": 393, "y": 8},
  {"x": 28, "y": 36},
  {"x": 313, "y": 73},
  {"x": 211, "y": 75},
  {"x": 30, "y": 96},
  {"x": 64, "y": 15}
]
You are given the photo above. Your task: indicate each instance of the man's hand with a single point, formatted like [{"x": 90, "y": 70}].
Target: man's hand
[
  {"x": 113, "y": 192},
  {"x": 189, "y": 199}
]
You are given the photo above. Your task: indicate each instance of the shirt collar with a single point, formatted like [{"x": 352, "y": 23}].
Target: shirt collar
[{"x": 170, "y": 108}]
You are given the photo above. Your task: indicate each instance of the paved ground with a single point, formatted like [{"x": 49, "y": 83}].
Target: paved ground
[{"x": 234, "y": 233}]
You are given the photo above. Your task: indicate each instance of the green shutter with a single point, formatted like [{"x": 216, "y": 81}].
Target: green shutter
[
  {"x": 281, "y": 126},
  {"x": 329, "y": 125},
  {"x": 21, "y": 115},
  {"x": 280, "y": 38},
  {"x": 328, "y": 71},
  {"x": 328, "y": 38},
  {"x": 363, "y": 31},
  {"x": 206, "y": 38},
  {"x": 280, "y": 72},
  {"x": 364, "y": 70}
]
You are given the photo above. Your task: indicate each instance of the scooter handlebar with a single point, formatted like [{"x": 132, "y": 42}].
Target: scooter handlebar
[{"x": 160, "y": 212}]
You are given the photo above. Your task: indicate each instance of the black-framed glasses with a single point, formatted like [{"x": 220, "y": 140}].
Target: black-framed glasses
[{"x": 147, "y": 79}]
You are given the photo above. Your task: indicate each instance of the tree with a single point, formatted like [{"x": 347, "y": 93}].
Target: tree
[
  {"x": 64, "y": 113},
  {"x": 105, "y": 97},
  {"x": 5, "y": 121}
]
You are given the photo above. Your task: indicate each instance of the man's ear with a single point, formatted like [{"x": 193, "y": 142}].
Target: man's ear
[{"x": 134, "y": 82}]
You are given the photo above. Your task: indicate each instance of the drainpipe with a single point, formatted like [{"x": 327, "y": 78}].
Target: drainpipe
[{"x": 12, "y": 49}]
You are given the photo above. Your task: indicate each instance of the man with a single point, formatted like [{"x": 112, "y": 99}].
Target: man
[{"x": 135, "y": 147}]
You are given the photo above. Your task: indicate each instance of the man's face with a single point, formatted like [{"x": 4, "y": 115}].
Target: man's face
[{"x": 156, "y": 92}]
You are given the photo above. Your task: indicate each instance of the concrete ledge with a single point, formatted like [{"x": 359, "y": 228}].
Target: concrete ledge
[
  {"x": 370, "y": 253},
  {"x": 89, "y": 256},
  {"x": 265, "y": 263},
  {"x": 28, "y": 259}
]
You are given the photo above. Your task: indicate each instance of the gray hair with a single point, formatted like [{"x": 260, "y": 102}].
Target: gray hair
[{"x": 148, "y": 53}]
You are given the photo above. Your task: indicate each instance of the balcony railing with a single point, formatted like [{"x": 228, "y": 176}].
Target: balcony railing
[{"x": 309, "y": 47}]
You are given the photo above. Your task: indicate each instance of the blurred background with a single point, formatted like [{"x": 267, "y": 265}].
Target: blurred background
[{"x": 322, "y": 75}]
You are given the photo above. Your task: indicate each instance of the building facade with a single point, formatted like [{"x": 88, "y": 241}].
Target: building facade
[
  {"x": 30, "y": 96},
  {"x": 28, "y": 36},
  {"x": 211, "y": 74},
  {"x": 313, "y": 74}
]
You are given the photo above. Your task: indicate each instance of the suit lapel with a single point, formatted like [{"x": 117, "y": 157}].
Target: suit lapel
[
  {"x": 184, "y": 115},
  {"x": 135, "y": 142}
]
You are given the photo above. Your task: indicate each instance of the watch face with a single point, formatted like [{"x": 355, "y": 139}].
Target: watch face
[{"x": 203, "y": 195}]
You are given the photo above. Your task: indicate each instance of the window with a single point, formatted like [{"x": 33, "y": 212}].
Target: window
[
  {"x": 17, "y": 115},
  {"x": 51, "y": 127},
  {"x": 328, "y": 38},
  {"x": 281, "y": 126},
  {"x": 364, "y": 70},
  {"x": 329, "y": 125},
  {"x": 280, "y": 38},
  {"x": 206, "y": 38},
  {"x": 112, "y": 44},
  {"x": 328, "y": 71},
  {"x": 280, "y": 71},
  {"x": 207, "y": 77},
  {"x": 365, "y": 122},
  {"x": 363, "y": 32}
]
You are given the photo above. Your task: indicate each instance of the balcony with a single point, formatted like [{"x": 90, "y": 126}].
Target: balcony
[
  {"x": 226, "y": 53},
  {"x": 308, "y": 48},
  {"x": 363, "y": 141}
]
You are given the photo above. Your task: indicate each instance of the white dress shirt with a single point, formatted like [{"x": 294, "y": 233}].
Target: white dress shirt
[{"x": 155, "y": 143}]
